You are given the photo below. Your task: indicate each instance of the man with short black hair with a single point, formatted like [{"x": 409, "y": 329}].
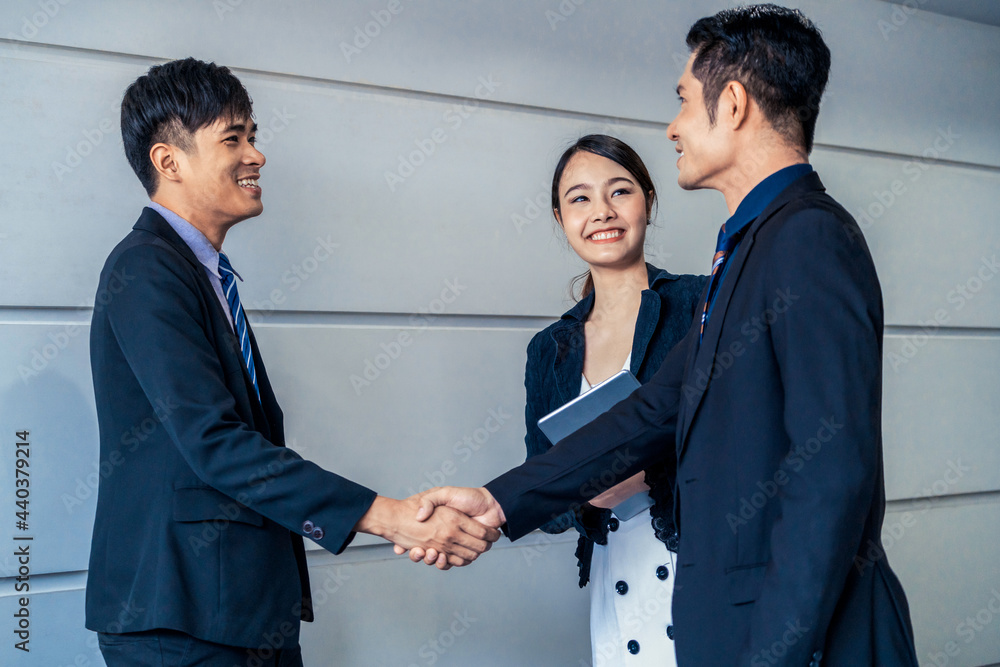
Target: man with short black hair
[
  {"x": 197, "y": 554},
  {"x": 770, "y": 409}
]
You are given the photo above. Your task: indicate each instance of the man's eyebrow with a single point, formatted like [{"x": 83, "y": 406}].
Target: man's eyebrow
[
  {"x": 239, "y": 127},
  {"x": 679, "y": 88}
]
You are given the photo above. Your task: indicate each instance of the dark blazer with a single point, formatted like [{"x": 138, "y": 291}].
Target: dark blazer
[
  {"x": 201, "y": 508},
  {"x": 552, "y": 378},
  {"x": 774, "y": 423}
]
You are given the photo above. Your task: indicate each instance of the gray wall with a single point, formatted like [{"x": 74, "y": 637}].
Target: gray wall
[{"x": 344, "y": 257}]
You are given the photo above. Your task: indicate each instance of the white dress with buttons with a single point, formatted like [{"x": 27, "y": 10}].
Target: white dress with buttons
[{"x": 631, "y": 591}]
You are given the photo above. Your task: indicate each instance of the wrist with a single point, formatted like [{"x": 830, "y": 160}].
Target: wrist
[
  {"x": 493, "y": 501},
  {"x": 378, "y": 520}
]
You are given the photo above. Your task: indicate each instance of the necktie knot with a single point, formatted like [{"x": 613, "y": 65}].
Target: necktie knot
[{"x": 226, "y": 267}]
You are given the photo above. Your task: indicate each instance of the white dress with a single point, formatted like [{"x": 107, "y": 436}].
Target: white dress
[{"x": 631, "y": 591}]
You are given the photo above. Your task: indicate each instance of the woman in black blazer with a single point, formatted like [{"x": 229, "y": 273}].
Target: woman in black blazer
[{"x": 630, "y": 314}]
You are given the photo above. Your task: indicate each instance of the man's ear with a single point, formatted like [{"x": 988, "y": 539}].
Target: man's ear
[
  {"x": 734, "y": 105},
  {"x": 165, "y": 161}
]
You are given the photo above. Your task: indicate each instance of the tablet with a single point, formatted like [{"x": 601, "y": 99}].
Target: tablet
[{"x": 584, "y": 408}]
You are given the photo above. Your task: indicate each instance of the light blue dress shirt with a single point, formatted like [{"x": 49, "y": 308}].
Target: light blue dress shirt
[{"x": 202, "y": 249}]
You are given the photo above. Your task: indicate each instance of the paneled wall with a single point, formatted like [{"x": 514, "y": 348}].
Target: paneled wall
[{"x": 405, "y": 257}]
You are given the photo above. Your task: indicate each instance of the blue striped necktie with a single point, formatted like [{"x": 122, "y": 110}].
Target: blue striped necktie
[
  {"x": 239, "y": 318},
  {"x": 723, "y": 247}
]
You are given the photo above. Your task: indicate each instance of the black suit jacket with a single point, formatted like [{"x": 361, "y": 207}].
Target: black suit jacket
[
  {"x": 201, "y": 508},
  {"x": 774, "y": 422},
  {"x": 552, "y": 379}
]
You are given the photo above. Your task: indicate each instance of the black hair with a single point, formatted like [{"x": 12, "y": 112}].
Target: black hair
[
  {"x": 171, "y": 102},
  {"x": 622, "y": 154},
  {"x": 778, "y": 55}
]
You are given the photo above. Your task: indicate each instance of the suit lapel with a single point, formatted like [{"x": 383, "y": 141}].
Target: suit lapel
[
  {"x": 567, "y": 366},
  {"x": 152, "y": 222},
  {"x": 698, "y": 373},
  {"x": 646, "y": 323},
  {"x": 702, "y": 361}
]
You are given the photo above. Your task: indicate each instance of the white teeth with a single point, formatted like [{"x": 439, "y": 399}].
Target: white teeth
[
  {"x": 247, "y": 182},
  {"x": 600, "y": 236}
]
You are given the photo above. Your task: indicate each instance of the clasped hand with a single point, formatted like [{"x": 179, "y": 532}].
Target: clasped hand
[{"x": 451, "y": 504}]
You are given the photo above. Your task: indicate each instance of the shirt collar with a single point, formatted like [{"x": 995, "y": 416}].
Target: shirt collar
[
  {"x": 580, "y": 311},
  {"x": 762, "y": 195},
  {"x": 192, "y": 236}
]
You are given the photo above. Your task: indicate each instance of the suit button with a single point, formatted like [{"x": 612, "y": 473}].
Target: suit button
[
  {"x": 633, "y": 646},
  {"x": 621, "y": 587},
  {"x": 613, "y": 524},
  {"x": 662, "y": 573},
  {"x": 307, "y": 527},
  {"x": 318, "y": 534},
  {"x": 670, "y": 631}
]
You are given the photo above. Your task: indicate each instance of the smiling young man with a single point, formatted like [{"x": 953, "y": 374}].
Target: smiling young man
[
  {"x": 770, "y": 410},
  {"x": 197, "y": 554}
]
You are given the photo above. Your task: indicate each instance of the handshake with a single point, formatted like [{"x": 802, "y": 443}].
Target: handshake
[{"x": 445, "y": 526}]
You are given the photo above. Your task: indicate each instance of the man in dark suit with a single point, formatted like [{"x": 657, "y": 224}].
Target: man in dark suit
[
  {"x": 197, "y": 553},
  {"x": 770, "y": 409}
]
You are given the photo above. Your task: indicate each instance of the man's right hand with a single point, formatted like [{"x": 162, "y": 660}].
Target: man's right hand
[
  {"x": 453, "y": 537},
  {"x": 476, "y": 503}
]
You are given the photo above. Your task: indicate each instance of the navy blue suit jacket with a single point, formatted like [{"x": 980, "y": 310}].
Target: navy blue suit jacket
[
  {"x": 774, "y": 422},
  {"x": 201, "y": 508}
]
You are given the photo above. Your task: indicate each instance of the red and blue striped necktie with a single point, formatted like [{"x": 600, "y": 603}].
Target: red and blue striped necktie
[{"x": 723, "y": 247}]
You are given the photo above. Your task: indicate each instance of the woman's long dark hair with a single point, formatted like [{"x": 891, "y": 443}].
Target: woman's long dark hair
[{"x": 619, "y": 152}]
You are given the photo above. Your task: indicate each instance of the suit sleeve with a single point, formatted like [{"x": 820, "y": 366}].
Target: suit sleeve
[
  {"x": 631, "y": 436},
  {"x": 158, "y": 321},
  {"x": 828, "y": 350}
]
